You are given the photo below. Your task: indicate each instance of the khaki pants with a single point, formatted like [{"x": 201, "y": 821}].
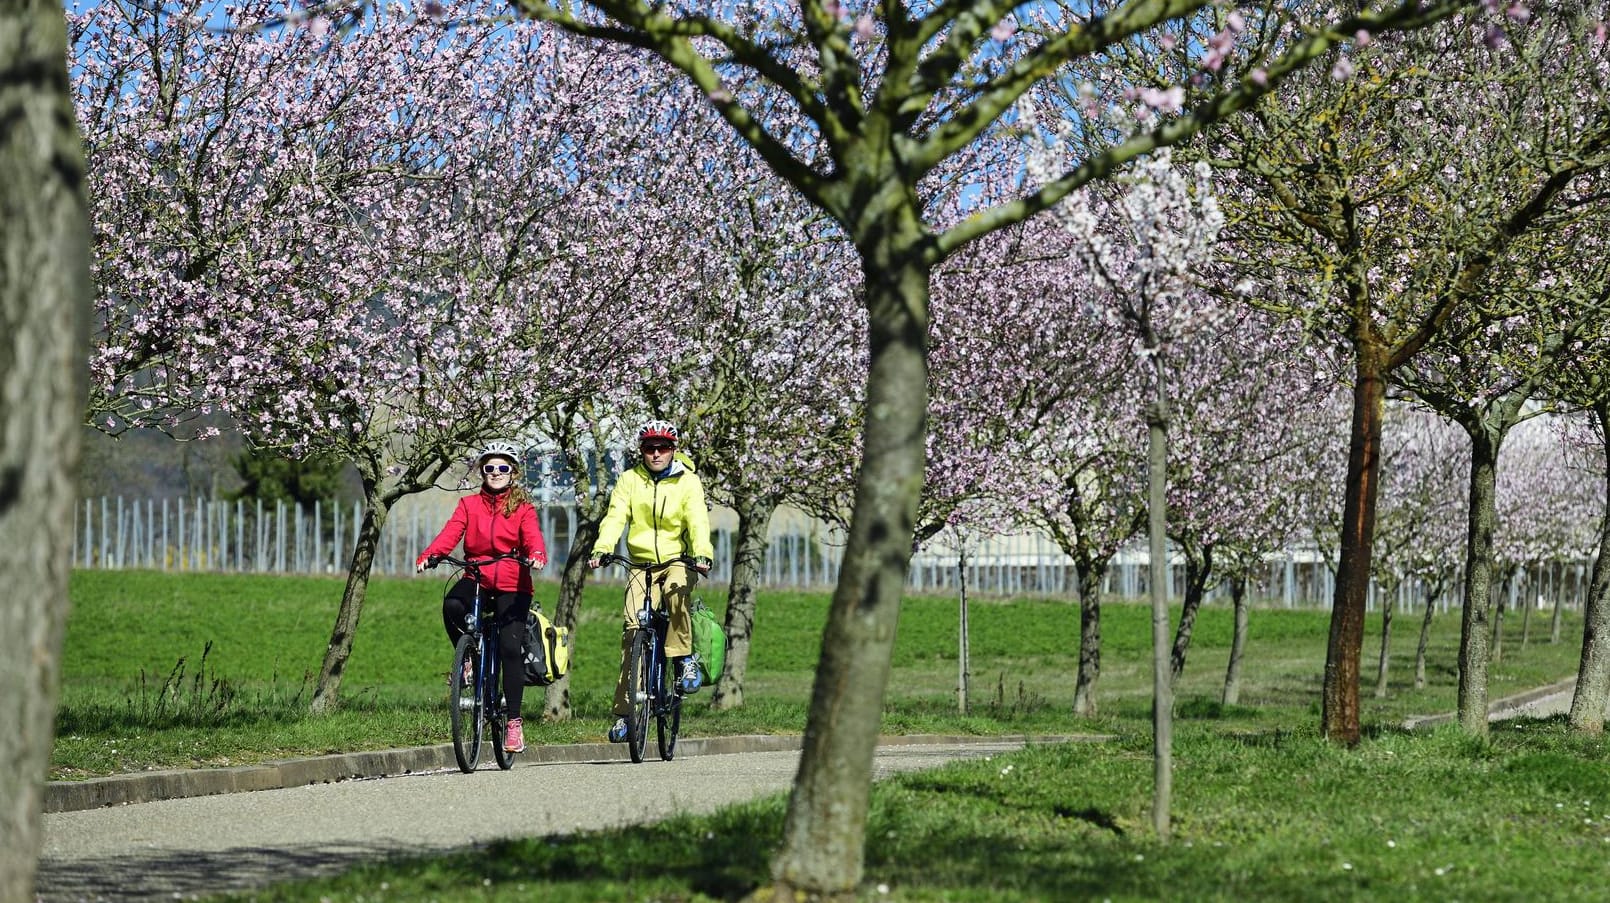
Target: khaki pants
[{"x": 670, "y": 589}]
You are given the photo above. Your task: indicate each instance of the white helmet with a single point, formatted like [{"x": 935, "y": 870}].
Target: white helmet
[{"x": 499, "y": 448}]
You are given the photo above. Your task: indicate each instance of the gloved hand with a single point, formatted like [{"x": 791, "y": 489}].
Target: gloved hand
[
  {"x": 702, "y": 564},
  {"x": 426, "y": 561}
]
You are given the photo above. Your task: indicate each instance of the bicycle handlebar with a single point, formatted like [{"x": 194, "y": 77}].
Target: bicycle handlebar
[
  {"x": 471, "y": 564},
  {"x": 649, "y": 567}
]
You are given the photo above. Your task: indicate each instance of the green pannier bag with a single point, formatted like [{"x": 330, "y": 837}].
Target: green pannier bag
[{"x": 709, "y": 642}]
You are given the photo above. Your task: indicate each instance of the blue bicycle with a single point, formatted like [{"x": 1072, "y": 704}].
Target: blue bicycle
[
  {"x": 475, "y": 685},
  {"x": 651, "y": 685}
]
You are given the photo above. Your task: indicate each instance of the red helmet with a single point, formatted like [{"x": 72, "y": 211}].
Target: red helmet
[{"x": 658, "y": 429}]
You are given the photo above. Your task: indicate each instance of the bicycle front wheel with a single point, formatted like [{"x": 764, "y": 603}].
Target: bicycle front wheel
[
  {"x": 639, "y": 689},
  {"x": 465, "y": 708},
  {"x": 668, "y": 712}
]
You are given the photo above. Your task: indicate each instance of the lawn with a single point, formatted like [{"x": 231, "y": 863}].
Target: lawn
[
  {"x": 166, "y": 670},
  {"x": 180, "y": 670}
]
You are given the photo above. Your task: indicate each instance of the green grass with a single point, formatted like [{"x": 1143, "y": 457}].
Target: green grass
[
  {"x": 1270, "y": 816},
  {"x": 180, "y": 670},
  {"x": 1263, "y": 809}
]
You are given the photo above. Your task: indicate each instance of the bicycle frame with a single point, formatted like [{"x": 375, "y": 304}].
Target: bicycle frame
[
  {"x": 658, "y": 694},
  {"x": 484, "y": 705}
]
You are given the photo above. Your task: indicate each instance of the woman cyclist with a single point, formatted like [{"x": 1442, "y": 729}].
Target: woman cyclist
[
  {"x": 498, "y": 519},
  {"x": 660, "y": 504}
]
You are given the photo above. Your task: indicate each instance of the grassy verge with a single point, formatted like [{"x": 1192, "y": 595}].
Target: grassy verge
[
  {"x": 1265, "y": 816},
  {"x": 181, "y": 670}
]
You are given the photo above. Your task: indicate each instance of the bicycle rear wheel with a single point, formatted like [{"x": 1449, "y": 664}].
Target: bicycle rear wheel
[
  {"x": 465, "y": 709},
  {"x": 639, "y": 664},
  {"x": 668, "y": 712}
]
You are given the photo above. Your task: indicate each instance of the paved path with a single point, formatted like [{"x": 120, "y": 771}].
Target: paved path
[{"x": 181, "y": 847}]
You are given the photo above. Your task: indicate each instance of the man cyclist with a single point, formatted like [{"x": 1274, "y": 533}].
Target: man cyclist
[{"x": 660, "y": 503}]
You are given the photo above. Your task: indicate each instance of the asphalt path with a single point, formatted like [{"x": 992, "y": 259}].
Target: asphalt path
[{"x": 178, "y": 848}]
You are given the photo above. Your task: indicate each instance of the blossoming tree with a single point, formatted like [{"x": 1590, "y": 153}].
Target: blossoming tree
[
  {"x": 364, "y": 243},
  {"x": 1372, "y": 205}
]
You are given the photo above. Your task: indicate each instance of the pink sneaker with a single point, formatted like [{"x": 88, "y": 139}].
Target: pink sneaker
[{"x": 514, "y": 740}]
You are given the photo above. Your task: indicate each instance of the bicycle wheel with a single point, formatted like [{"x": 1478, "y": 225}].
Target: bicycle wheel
[
  {"x": 638, "y": 690},
  {"x": 668, "y": 712},
  {"x": 465, "y": 709},
  {"x": 498, "y": 718}
]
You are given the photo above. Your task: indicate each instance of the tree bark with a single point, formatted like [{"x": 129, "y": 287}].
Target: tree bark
[
  {"x": 1473, "y": 634},
  {"x": 1554, "y": 616},
  {"x": 1593, "y": 672},
  {"x": 1432, "y": 592},
  {"x": 1084, "y": 688},
  {"x": 45, "y": 295},
  {"x": 1162, "y": 678},
  {"x": 1383, "y": 664},
  {"x": 377, "y": 505},
  {"x": 1198, "y": 569},
  {"x": 572, "y": 580},
  {"x": 825, "y": 828},
  {"x": 1238, "y": 641},
  {"x": 1524, "y": 600},
  {"x": 748, "y": 560},
  {"x": 1339, "y": 716}
]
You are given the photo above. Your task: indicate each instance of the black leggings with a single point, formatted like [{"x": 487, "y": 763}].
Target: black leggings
[{"x": 511, "y": 611}]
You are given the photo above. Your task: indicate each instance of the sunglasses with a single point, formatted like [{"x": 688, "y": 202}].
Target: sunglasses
[
  {"x": 496, "y": 468},
  {"x": 656, "y": 449}
]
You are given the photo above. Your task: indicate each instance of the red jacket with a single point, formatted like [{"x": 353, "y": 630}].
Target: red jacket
[{"x": 479, "y": 522}]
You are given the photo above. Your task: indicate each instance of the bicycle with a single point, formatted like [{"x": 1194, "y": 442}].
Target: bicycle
[
  {"x": 477, "y": 702},
  {"x": 651, "y": 685}
]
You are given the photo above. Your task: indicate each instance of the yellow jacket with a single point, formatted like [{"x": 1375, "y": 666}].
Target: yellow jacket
[{"x": 663, "y": 517}]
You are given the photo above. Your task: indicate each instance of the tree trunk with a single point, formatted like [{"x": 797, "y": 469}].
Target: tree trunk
[
  {"x": 1554, "y": 616},
  {"x": 1339, "y": 715},
  {"x": 572, "y": 580},
  {"x": 1198, "y": 569},
  {"x": 1162, "y": 677},
  {"x": 1084, "y": 688},
  {"x": 46, "y": 292},
  {"x": 825, "y": 827},
  {"x": 1238, "y": 641},
  {"x": 1432, "y": 592},
  {"x": 962, "y": 651},
  {"x": 1593, "y": 672},
  {"x": 1473, "y": 633},
  {"x": 1524, "y": 600},
  {"x": 327, "y": 694},
  {"x": 1383, "y": 664},
  {"x": 748, "y": 560}
]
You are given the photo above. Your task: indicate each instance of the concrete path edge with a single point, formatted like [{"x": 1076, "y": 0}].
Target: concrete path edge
[{"x": 151, "y": 786}]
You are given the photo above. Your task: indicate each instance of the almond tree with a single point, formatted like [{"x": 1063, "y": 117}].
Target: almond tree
[
  {"x": 1371, "y": 206},
  {"x": 1249, "y": 408},
  {"x": 363, "y": 243},
  {"x": 888, "y": 93},
  {"x": 45, "y": 294},
  {"x": 1034, "y": 407}
]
